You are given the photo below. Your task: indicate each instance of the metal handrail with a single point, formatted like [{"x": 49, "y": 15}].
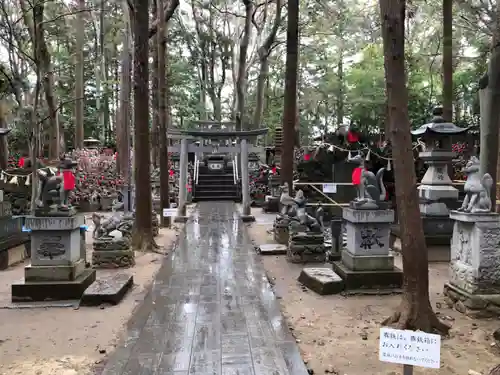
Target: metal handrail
[
  {"x": 235, "y": 168},
  {"x": 234, "y": 173},
  {"x": 196, "y": 169}
]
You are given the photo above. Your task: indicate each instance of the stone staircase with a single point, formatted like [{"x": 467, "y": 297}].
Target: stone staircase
[
  {"x": 216, "y": 185},
  {"x": 278, "y": 141}
]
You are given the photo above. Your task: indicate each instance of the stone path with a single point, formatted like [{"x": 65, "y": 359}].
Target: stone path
[{"x": 211, "y": 310}]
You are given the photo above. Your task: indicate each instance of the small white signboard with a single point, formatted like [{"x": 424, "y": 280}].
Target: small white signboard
[
  {"x": 169, "y": 212},
  {"x": 410, "y": 348},
  {"x": 329, "y": 188}
]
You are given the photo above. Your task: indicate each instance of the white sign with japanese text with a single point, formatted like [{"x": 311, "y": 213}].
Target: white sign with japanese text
[
  {"x": 329, "y": 188},
  {"x": 169, "y": 212},
  {"x": 410, "y": 348}
]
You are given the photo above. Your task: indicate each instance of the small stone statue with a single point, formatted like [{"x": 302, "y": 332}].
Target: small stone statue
[
  {"x": 370, "y": 187},
  {"x": 313, "y": 224},
  {"x": 477, "y": 189},
  {"x": 288, "y": 204}
]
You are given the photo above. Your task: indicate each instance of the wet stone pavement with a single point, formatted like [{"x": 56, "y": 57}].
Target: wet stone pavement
[{"x": 211, "y": 310}]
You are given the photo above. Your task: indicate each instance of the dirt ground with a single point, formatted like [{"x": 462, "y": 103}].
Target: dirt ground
[
  {"x": 339, "y": 335},
  {"x": 69, "y": 340}
]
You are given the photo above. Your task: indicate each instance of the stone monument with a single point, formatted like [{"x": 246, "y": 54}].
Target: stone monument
[
  {"x": 287, "y": 211},
  {"x": 57, "y": 270},
  {"x": 365, "y": 261},
  {"x": 474, "y": 285},
  {"x": 436, "y": 191}
]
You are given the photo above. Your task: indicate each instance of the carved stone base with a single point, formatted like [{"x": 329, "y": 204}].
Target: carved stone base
[
  {"x": 370, "y": 282},
  {"x": 368, "y": 262},
  {"x": 52, "y": 290},
  {"x": 113, "y": 259},
  {"x": 54, "y": 273},
  {"x": 110, "y": 243},
  {"x": 306, "y": 248},
  {"x": 55, "y": 212},
  {"x": 473, "y": 305}
]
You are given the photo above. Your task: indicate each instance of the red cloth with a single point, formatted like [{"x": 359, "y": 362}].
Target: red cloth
[
  {"x": 69, "y": 180},
  {"x": 356, "y": 176},
  {"x": 171, "y": 172},
  {"x": 307, "y": 157},
  {"x": 352, "y": 137},
  {"x": 21, "y": 162},
  {"x": 274, "y": 170}
]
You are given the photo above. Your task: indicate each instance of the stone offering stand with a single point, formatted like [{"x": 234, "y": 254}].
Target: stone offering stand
[
  {"x": 57, "y": 270},
  {"x": 366, "y": 263}
]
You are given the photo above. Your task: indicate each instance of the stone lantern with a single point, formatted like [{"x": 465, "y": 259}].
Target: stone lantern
[
  {"x": 436, "y": 191},
  {"x": 253, "y": 162},
  {"x": 175, "y": 161}
]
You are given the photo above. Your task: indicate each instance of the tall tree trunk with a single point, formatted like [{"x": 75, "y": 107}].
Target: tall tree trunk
[
  {"x": 489, "y": 131},
  {"x": 290, "y": 100},
  {"x": 448, "y": 60},
  {"x": 79, "y": 80},
  {"x": 124, "y": 113},
  {"x": 241, "y": 84},
  {"x": 262, "y": 79},
  {"x": 155, "y": 104},
  {"x": 47, "y": 77},
  {"x": 163, "y": 115},
  {"x": 143, "y": 234},
  {"x": 415, "y": 312}
]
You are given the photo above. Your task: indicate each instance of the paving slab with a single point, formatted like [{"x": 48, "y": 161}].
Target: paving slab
[
  {"x": 210, "y": 310},
  {"x": 272, "y": 249},
  {"x": 323, "y": 281}
]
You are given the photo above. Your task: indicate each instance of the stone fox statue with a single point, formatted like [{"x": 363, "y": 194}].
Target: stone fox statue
[
  {"x": 370, "y": 187},
  {"x": 49, "y": 188},
  {"x": 477, "y": 189}
]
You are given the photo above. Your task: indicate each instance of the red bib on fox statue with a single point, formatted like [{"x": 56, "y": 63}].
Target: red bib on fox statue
[{"x": 356, "y": 176}]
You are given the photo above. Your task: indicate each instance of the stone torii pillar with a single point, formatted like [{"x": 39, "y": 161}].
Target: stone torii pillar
[
  {"x": 183, "y": 170},
  {"x": 246, "y": 214}
]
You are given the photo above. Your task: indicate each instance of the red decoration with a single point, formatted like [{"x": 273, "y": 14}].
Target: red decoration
[
  {"x": 21, "y": 162},
  {"x": 69, "y": 180},
  {"x": 352, "y": 137},
  {"x": 307, "y": 157},
  {"x": 171, "y": 172},
  {"x": 274, "y": 170},
  {"x": 356, "y": 176}
]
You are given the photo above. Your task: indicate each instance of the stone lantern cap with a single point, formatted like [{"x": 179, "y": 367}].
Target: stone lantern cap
[
  {"x": 438, "y": 128},
  {"x": 4, "y": 131}
]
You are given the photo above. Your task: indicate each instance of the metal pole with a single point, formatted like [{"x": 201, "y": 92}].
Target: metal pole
[
  {"x": 244, "y": 177},
  {"x": 407, "y": 370},
  {"x": 183, "y": 178}
]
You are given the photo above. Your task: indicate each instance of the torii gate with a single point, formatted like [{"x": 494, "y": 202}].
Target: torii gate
[{"x": 207, "y": 131}]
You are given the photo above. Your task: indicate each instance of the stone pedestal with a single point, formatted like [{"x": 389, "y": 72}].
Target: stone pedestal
[
  {"x": 57, "y": 271},
  {"x": 281, "y": 231},
  {"x": 474, "y": 284},
  {"x": 306, "y": 247},
  {"x": 366, "y": 263}
]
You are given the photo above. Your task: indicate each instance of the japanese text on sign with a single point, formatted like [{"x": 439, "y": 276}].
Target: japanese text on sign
[
  {"x": 169, "y": 212},
  {"x": 329, "y": 188},
  {"x": 410, "y": 348}
]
